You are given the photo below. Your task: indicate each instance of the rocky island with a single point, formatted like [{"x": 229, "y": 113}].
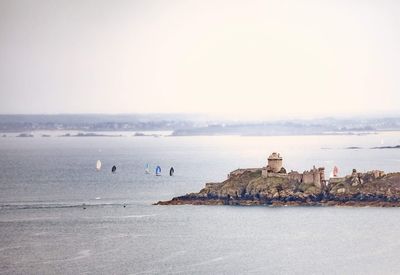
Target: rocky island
[{"x": 273, "y": 186}]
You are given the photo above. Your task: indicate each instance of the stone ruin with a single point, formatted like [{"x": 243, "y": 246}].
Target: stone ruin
[
  {"x": 275, "y": 168},
  {"x": 314, "y": 176}
]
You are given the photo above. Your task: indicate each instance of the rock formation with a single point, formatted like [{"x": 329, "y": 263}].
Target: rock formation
[{"x": 264, "y": 187}]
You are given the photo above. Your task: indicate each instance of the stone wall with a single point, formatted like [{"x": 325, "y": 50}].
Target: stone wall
[
  {"x": 321, "y": 171},
  {"x": 277, "y": 175},
  {"x": 264, "y": 173},
  {"x": 314, "y": 176},
  {"x": 378, "y": 173},
  {"x": 295, "y": 176},
  {"x": 308, "y": 177}
]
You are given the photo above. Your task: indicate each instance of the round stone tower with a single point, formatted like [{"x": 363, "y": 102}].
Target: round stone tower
[{"x": 274, "y": 163}]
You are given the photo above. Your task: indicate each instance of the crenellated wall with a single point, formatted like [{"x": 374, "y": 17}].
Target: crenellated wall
[
  {"x": 314, "y": 176},
  {"x": 274, "y": 168},
  {"x": 295, "y": 176}
]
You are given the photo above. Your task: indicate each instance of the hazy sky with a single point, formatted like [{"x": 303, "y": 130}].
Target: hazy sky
[{"x": 239, "y": 58}]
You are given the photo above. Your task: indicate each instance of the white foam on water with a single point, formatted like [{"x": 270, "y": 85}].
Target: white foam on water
[{"x": 80, "y": 255}]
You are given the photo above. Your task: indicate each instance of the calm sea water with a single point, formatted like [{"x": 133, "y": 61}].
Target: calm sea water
[{"x": 44, "y": 229}]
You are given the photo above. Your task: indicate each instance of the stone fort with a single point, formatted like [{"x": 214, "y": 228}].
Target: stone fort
[{"x": 275, "y": 168}]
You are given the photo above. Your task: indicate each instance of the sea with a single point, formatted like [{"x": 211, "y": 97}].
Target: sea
[{"x": 59, "y": 215}]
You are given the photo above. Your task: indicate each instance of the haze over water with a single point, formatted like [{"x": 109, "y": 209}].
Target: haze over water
[
  {"x": 45, "y": 230},
  {"x": 258, "y": 60},
  {"x": 209, "y": 60}
]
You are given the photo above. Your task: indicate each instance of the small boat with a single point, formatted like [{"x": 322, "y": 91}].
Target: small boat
[
  {"x": 98, "y": 165},
  {"x": 147, "y": 170},
  {"x": 114, "y": 169},
  {"x": 158, "y": 171},
  {"x": 171, "y": 171}
]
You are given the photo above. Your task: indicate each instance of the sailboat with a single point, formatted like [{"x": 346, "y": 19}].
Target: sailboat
[
  {"x": 98, "y": 165},
  {"x": 171, "y": 171},
  {"x": 114, "y": 169},
  {"x": 335, "y": 171},
  {"x": 147, "y": 170},
  {"x": 158, "y": 171}
]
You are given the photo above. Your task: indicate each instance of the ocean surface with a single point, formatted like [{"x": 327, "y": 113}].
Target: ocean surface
[{"x": 58, "y": 215}]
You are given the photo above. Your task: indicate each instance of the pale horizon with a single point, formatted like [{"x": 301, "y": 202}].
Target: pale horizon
[{"x": 258, "y": 60}]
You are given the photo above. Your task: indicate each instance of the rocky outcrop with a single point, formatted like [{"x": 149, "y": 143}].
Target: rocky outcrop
[{"x": 373, "y": 188}]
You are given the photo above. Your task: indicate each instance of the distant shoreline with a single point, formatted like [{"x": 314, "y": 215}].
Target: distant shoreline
[
  {"x": 197, "y": 125},
  {"x": 162, "y": 133}
]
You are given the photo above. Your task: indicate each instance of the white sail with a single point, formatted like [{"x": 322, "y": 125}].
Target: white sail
[
  {"x": 98, "y": 165},
  {"x": 147, "y": 170}
]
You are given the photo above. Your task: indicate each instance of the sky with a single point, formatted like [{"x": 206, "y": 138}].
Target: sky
[{"x": 233, "y": 58}]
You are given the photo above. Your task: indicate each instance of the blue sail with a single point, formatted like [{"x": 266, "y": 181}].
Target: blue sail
[{"x": 158, "y": 171}]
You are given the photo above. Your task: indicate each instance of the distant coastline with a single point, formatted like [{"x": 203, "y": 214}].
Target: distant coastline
[
  {"x": 195, "y": 125},
  {"x": 88, "y": 135}
]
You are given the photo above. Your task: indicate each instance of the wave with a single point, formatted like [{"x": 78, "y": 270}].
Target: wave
[
  {"x": 57, "y": 205},
  {"x": 130, "y": 216}
]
